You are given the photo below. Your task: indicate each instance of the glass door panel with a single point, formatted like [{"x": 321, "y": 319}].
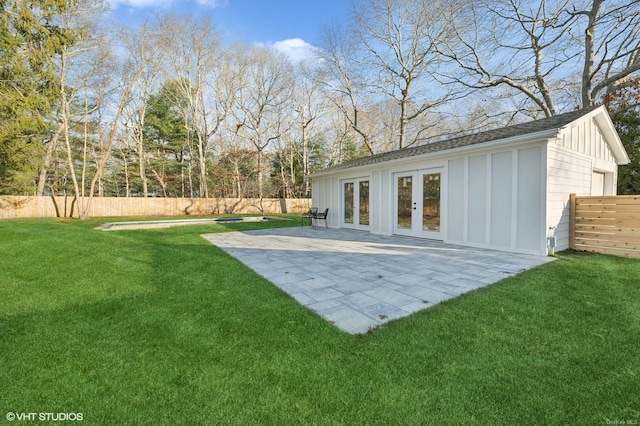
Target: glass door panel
[
  {"x": 363, "y": 217},
  {"x": 404, "y": 202},
  {"x": 348, "y": 202},
  {"x": 431, "y": 202}
]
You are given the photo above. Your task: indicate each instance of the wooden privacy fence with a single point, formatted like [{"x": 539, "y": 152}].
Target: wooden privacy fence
[
  {"x": 609, "y": 224},
  {"x": 27, "y": 207}
]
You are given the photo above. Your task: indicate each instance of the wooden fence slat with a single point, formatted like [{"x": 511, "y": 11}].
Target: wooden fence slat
[
  {"x": 624, "y": 223},
  {"x": 634, "y": 245},
  {"x": 609, "y": 225},
  {"x": 608, "y": 207},
  {"x": 608, "y": 200},
  {"x": 607, "y": 236},
  {"x": 33, "y": 207},
  {"x": 606, "y": 250},
  {"x": 620, "y": 215}
]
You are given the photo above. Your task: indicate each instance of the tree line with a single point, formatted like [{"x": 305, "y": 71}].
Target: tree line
[{"x": 169, "y": 109}]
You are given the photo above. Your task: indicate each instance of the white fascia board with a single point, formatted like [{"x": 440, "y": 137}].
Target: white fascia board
[{"x": 603, "y": 120}]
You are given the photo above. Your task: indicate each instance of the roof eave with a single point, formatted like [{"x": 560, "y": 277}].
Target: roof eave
[
  {"x": 602, "y": 118},
  {"x": 514, "y": 140}
]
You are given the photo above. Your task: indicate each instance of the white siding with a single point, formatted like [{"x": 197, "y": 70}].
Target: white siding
[
  {"x": 501, "y": 199},
  {"x": 385, "y": 218},
  {"x": 456, "y": 205},
  {"x": 476, "y": 211},
  {"x": 572, "y": 159},
  {"x": 496, "y": 200},
  {"x": 529, "y": 219},
  {"x": 585, "y": 137},
  {"x": 567, "y": 173},
  {"x": 325, "y": 195}
]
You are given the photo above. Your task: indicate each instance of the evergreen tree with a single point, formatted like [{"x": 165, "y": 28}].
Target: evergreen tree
[
  {"x": 29, "y": 43},
  {"x": 627, "y": 123},
  {"x": 168, "y": 141}
]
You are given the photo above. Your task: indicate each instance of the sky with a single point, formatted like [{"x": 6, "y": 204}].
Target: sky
[{"x": 291, "y": 26}]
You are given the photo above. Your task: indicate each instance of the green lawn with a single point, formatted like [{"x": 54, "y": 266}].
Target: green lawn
[{"x": 160, "y": 327}]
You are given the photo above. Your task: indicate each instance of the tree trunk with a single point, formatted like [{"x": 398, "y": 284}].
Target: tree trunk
[
  {"x": 127, "y": 188},
  {"x": 283, "y": 178},
  {"x": 42, "y": 177},
  {"x": 162, "y": 183},
  {"x": 106, "y": 151},
  {"x": 403, "y": 117},
  {"x": 589, "y": 54},
  {"x": 260, "y": 176},
  {"x": 202, "y": 162},
  {"x": 65, "y": 122},
  {"x": 305, "y": 164},
  {"x": 141, "y": 162},
  {"x": 236, "y": 181}
]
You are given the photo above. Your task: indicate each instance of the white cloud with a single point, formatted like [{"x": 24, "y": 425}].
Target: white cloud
[
  {"x": 212, "y": 3},
  {"x": 164, "y": 3},
  {"x": 295, "y": 48},
  {"x": 140, "y": 3}
]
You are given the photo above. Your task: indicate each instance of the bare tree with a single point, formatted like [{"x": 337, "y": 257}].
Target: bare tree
[
  {"x": 399, "y": 42},
  {"x": 119, "y": 97},
  {"x": 141, "y": 47},
  {"x": 534, "y": 48},
  {"x": 310, "y": 107},
  {"x": 102, "y": 88},
  {"x": 195, "y": 59},
  {"x": 83, "y": 65},
  {"x": 345, "y": 83},
  {"x": 612, "y": 46},
  {"x": 263, "y": 104}
]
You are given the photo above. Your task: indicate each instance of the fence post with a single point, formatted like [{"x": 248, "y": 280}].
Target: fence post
[{"x": 572, "y": 221}]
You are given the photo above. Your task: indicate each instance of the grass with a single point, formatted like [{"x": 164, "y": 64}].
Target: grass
[{"x": 160, "y": 327}]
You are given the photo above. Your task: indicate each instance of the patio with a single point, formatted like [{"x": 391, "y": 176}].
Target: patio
[{"x": 358, "y": 280}]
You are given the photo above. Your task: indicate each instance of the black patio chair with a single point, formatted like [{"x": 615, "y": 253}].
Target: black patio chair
[
  {"x": 320, "y": 216},
  {"x": 309, "y": 215}
]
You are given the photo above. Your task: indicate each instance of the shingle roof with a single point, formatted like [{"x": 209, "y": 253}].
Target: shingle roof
[{"x": 531, "y": 127}]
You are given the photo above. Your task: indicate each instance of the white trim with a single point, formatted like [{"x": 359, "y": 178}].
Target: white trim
[
  {"x": 603, "y": 120},
  {"x": 544, "y": 231},
  {"x": 514, "y": 199},
  {"x": 465, "y": 201},
  {"x": 444, "y": 200},
  {"x": 487, "y": 206}
]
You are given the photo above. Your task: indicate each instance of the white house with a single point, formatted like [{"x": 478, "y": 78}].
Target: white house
[{"x": 506, "y": 189}]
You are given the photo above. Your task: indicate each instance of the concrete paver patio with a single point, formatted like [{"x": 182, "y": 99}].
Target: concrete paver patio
[{"x": 358, "y": 280}]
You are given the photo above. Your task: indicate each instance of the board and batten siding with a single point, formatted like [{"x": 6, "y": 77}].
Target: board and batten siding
[
  {"x": 322, "y": 195},
  {"x": 495, "y": 200},
  {"x": 572, "y": 158},
  {"x": 586, "y": 138}
]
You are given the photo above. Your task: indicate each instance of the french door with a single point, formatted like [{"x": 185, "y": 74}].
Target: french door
[
  {"x": 417, "y": 205},
  {"x": 355, "y": 203}
]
